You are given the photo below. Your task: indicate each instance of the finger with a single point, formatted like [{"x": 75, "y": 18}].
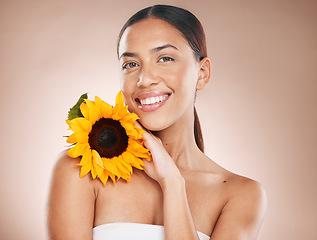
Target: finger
[
  {"x": 138, "y": 124},
  {"x": 147, "y": 132}
]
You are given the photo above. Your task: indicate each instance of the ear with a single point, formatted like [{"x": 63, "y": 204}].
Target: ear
[{"x": 204, "y": 74}]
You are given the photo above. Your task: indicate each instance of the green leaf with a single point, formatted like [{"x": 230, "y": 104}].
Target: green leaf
[{"x": 75, "y": 112}]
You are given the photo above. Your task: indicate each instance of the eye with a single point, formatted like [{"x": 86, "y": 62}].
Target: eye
[
  {"x": 129, "y": 65},
  {"x": 166, "y": 59}
]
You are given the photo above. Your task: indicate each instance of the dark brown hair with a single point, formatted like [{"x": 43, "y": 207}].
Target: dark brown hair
[{"x": 191, "y": 29}]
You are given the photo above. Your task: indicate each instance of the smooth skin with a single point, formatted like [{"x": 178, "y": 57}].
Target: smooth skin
[{"x": 181, "y": 188}]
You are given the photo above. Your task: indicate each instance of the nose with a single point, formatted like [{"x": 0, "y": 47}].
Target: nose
[{"x": 147, "y": 77}]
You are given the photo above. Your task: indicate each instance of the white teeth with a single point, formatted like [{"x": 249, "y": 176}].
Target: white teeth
[{"x": 152, "y": 100}]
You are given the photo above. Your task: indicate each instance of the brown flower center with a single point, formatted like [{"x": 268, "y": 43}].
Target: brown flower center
[{"x": 108, "y": 138}]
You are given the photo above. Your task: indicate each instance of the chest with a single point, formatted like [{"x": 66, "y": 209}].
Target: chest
[{"x": 141, "y": 201}]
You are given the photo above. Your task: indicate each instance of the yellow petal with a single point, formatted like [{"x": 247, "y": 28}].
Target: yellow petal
[
  {"x": 109, "y": 165},
  {"x": 68, "y": 122},
  {"x": 84, "y": 110},
  {"x": 130, "y": 130},
  {"x": 141, "y": 155},
  {"x": 86, "y": 159},
  {"x": 98, "y": 102},
  {"x": 82, "y": 137},
  {"x": 130, "y": 117},
  {"x": 117, "y": 172},
  {"x": 86, "y": 163},
  {"x": 97, "y": 159},
  {"x": 72, "y": 138},
  {"x": 80, "y": 124},
  {"x": 140, "y": 131},
  {"x": 78, "y": 150},
  {"x": 97, "y": 163},
  {"x": 93, "y": 112},
  {"x": 128, "y": 157},
  {"x": 104, "y": 177},
  {"x": 137, "y": 148},
  {"x": 125, "y": 176},
  {"x": 93, "y": 173},
  {"x": 136, "y": 165},
  {"x": 119, "y": 165},
  {"x": 131, "y": 159},
  {"x": 99, "y": 170},
  {"x": 119, "y": 99},
  {"x": 125, "y": 164},
  {"x": 119, "y": 112},
  {"x": 84, "y": 170},
  {"x": 105, "y": 108},
  {"x": 139, "y": 161},
  {"x": 112, "y": 176}
]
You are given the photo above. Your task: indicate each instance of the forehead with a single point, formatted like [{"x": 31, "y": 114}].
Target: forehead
[{"x": 150, "y": 33}]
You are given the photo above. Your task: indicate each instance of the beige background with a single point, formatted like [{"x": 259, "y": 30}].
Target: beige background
[{"x": 259, "y": 114}]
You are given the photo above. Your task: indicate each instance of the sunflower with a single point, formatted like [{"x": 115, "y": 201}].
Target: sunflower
[{"x": 107, "y": 140}]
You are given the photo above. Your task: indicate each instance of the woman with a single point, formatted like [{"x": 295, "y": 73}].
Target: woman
[{"x": 164, "y": 61}]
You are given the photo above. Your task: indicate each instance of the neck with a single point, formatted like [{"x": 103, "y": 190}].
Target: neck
[{"x": 179, "y": 141}]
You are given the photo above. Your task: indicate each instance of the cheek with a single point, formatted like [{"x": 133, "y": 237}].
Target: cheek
[
  {"x": 126, "y": 89},
  {"x": 127, "y": 100},
  {"x": 127, "y": 84},
  {"x": 123, "y": 82},
  {"x": 183, "y": 79}
]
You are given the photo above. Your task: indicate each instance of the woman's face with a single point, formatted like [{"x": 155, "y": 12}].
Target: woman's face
[{"x": 159, "y": 73}]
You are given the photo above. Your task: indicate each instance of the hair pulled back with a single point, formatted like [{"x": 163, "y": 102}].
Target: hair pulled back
[{"x": 191, "y": 29}]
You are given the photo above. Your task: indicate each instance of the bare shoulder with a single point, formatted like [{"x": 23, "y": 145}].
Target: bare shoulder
[
  {"x": 66, "y": 177},
  {"x": 71, "y": 201},
  {"x": 245, "y": 189},
  {"x": 66, "y": 168},
  {"x": 244, "y": 208},
  {"x": 236, "y": 185},
  {"x": 242, "y": 193}
]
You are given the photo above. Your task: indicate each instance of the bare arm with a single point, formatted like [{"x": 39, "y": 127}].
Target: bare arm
[
  {"x": 178, "y": 222},
  {"x": 71, "y": 203},
  {"x": 243, "y": 214}
]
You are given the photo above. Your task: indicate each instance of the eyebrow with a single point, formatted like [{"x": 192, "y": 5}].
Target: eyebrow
[
  {"x": 156, "y": 49},
  {"x": 127, "y": 54}
]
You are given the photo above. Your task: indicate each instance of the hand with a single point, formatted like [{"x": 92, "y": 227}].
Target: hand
[{"x": 162, "y": 166}]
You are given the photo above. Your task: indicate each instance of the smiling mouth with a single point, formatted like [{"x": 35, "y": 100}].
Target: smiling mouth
[{"x": 152, "y": 103}]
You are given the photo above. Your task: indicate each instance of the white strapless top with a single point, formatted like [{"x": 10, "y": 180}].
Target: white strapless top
[{"x": 132, "y": 231}]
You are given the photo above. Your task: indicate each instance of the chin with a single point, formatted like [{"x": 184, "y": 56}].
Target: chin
[{"x": 153, "y": 125}]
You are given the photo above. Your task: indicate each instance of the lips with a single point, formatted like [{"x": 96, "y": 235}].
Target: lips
[{"x": 152, "y": 101}]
